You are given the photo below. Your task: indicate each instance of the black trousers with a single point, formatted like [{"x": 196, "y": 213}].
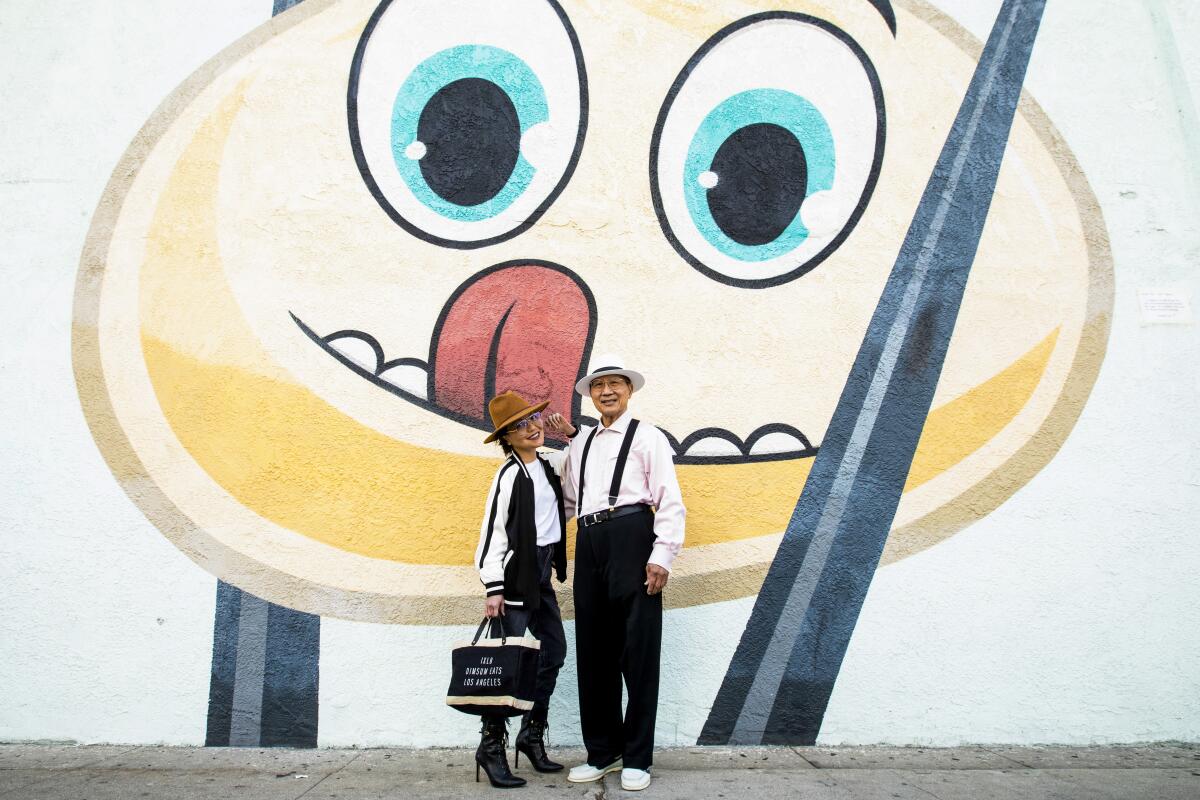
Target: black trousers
[
  {"x": 618, "y": 634},
  {"x": 546, "y": 624}
]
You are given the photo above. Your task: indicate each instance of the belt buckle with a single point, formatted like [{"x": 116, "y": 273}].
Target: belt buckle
[{"x": 593, "y": 519}]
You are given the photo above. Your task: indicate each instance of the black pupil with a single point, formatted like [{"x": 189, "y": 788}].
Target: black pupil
[
  {"x": 762, "y": 177},
  {"x": 472, "y": 138}
]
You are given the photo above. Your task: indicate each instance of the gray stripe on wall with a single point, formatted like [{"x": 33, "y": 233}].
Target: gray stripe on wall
[
  {"x": 245, "y": 728},
  {"x": 224, "y": 664},
  {"x": 283, "y": 5},
  {"x": 264, "y": 689}
]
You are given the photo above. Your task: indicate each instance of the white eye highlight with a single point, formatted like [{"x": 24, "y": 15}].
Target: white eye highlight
[
  {"x": 823, "y": 215},
  {"x": 539, "y": 143},
  {"x": 767, "y": 148},
  {"x": 467, "y": 117}
]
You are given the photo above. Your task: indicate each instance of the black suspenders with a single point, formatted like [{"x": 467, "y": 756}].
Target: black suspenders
[
  {"x": 622, "y": 457},
  {"x": 583, "y": 469},
  {"x": 626, "y": 443}
]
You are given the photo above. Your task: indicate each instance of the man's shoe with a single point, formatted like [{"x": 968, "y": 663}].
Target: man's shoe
[
  {"x": 634, "y": 780},
  {"x": 586, "y": 773}
]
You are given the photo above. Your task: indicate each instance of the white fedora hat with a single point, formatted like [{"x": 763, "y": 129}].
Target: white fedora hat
[{"x": 608, "y": 364}]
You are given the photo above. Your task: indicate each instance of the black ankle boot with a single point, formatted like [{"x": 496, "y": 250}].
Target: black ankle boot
[
  {"x": 491, "y": 755},
  {"x": 531, "y": 741}
]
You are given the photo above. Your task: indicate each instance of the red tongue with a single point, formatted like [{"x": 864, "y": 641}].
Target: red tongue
[{"x": 523, "y": 328}]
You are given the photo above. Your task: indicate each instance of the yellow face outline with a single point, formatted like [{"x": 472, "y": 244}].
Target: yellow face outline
[{"x": 205, "y": 431}]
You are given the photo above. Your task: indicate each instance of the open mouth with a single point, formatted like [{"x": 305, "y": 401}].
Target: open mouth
[{"x": 525, "y": 326}]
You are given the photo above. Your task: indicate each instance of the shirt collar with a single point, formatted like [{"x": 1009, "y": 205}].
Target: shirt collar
[{"x": 620, "y": 424}]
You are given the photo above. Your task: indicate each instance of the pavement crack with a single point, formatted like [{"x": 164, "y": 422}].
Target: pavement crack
[
  {"x": 926, "y": 791},
  {"x": 1007, "y": 758},
  {"x": 812, "y": 764},
  {"x": 329, "y": 775}
]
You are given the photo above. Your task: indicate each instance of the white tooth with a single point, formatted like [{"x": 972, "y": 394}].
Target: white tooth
[
  {"x": 357, "y": 351},
  {"x": 713, "y": 446},
  {"x": 777, "y": 442},
  {"x": 409, "y": 377}
]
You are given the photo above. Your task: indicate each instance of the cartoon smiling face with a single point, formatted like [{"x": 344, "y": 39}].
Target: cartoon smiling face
[{"x": 339, "y": 238}]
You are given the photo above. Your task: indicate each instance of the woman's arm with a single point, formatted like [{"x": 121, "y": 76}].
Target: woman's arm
[
  {"x": 493, "y": 539},
  {"x": 561, "y": 461},
  {"x": 557, "y": 423}
]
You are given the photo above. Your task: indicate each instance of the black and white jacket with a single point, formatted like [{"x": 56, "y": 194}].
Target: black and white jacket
[{"x": 507, "y": 552}]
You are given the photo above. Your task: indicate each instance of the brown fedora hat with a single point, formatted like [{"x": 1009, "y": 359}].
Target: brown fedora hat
[{"x": 506, "y": 409}]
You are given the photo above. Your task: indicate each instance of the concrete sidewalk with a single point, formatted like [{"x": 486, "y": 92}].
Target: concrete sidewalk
[{"x": 63, "y": 772}]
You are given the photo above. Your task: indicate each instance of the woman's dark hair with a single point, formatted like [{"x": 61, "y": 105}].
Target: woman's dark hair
[{"x": 505, "y": 446}]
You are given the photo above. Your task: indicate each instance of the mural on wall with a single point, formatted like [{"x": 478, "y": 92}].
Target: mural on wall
[
  {"x": 334, "y": 241},
  {"x": 782, "y": 675}
]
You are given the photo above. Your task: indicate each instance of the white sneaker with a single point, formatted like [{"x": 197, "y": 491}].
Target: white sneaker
[
  {"x": 586, "y": 773},
  {"x": 634, "y": 780}
]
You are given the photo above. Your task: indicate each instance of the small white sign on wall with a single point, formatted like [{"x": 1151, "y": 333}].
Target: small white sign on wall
[{"x": 1158, "y": 306}]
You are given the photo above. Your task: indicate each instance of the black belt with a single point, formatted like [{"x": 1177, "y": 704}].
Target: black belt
[{"x": 588, "y": 520}]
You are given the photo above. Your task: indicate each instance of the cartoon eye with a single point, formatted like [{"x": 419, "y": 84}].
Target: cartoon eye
[
  {"x": 767, "y": 149},
  {"x": 467, "y": 118}
]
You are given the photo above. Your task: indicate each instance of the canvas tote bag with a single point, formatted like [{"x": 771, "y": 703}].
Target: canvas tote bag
[{"x": 496, "y": 675}]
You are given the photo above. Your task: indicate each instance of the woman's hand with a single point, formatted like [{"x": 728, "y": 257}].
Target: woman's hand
[
  {"x": 494, "y": 607},
  {"x": 557, "y": 423}
]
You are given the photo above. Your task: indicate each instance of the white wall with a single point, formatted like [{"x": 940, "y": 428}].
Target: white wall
[{"x": 105, "y": 627}]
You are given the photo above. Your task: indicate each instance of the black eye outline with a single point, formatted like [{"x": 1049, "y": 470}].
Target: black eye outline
[
  {"x": 868, "y": 188},
  {"x": 364, "y": 168}
]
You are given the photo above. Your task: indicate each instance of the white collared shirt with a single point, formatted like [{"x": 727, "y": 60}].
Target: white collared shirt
[{"x": 649, "y": 478}]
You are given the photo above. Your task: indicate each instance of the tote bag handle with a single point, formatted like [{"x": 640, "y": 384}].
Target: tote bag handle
[
  {"x": 495, "y": 621},
  {"x": 482, "y": 625}
]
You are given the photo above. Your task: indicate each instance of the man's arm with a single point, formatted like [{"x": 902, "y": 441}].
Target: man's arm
[{"x": 668, "y": 501}]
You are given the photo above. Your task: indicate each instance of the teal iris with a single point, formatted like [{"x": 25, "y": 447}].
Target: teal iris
[
  {"x": 773, "y": 106},
  {"x": 505, "y": 70}
]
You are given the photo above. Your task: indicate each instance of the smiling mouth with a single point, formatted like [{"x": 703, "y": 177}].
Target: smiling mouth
[{"x": 525, "y": 326}]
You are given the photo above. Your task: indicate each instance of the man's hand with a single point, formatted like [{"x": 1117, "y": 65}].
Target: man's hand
[
  {"x": 494, "y": 607},
  {"x": 656, "y": 578},
  {"x": 557, "y": 423}
]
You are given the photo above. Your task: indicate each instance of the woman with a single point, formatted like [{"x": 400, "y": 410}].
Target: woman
[{"x": 521, "y": 540}]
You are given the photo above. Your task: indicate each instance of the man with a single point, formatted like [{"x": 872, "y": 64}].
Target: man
[{"x": 619, "y": 479}]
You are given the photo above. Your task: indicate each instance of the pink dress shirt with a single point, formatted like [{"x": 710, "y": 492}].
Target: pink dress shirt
[{"x": 649, "y": 478}]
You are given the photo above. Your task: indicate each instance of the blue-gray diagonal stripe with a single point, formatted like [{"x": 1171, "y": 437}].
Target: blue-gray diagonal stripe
[
  {"x": 246, "y": 719},
  {"x": 265, "y": 681},
  {"x": 224, "y": 664},
  {"x": 779, "y": 682}
]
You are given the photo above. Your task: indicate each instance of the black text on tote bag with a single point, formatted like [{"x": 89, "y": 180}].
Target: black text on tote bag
[{"x": 495, "y": 676}]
